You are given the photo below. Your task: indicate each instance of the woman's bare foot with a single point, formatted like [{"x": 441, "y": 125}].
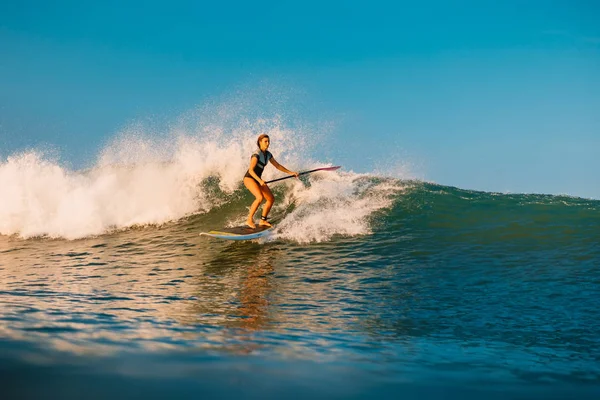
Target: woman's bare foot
[
  {"x": 263, "y": 222},
  {"x": 250, "y": 224}
]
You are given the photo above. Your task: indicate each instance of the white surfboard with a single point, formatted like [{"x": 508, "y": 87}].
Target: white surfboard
[{"x": 239, "y": 233}]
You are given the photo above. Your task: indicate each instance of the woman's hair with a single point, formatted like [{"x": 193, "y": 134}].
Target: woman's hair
[{"x": 261, "y": 137}]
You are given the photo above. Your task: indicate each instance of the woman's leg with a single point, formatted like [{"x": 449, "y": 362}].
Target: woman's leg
[
  {"x": 254, "y": 188},
  {"x": 268, "y": 195}
]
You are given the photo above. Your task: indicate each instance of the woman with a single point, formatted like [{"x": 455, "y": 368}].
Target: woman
[{"x": 258, "y": 187}]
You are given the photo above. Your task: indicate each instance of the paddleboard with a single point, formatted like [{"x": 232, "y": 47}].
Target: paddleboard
[{"x": 239, "y": 233}]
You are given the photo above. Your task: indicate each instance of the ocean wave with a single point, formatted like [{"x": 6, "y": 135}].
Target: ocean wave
[{"x": 140, "y": 180}]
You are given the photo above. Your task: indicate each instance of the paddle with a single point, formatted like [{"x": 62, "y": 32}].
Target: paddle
[{"x": 305, "y": 172}]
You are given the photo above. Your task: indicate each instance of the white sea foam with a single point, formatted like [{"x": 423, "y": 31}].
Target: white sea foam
[{"x": 335, "y": 204}]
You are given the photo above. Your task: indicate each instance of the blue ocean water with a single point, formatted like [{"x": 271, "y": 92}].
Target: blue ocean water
[{"x": 439, "y": 293}]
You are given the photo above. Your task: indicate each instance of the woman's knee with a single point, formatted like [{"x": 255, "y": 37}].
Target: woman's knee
[{"x": 259, "y": 198}]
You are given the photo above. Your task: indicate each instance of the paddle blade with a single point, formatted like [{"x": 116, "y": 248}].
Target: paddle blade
[{"x": 328, "y": 168}]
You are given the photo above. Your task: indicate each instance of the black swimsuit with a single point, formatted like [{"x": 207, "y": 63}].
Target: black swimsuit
[{"x": 262, "y": 161}]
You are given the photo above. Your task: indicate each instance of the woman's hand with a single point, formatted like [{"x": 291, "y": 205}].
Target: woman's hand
[
  {"x": 295, "y": 174},
  {"x": 261, "y": 182}
]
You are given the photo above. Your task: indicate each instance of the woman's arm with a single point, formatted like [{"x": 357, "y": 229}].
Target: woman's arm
[
  {"x": 253, "y": 161},
  {"x": 282, "y": 168}
]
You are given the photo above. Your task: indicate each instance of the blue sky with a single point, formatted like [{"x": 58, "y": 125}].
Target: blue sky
[{"x": 497, "y": 96}]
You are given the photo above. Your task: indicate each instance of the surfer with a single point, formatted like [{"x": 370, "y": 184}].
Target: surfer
[{"x": 258, "y": 187}]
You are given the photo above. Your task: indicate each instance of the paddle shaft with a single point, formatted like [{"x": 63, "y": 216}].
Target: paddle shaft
[{"x": 303, "y": 173}]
